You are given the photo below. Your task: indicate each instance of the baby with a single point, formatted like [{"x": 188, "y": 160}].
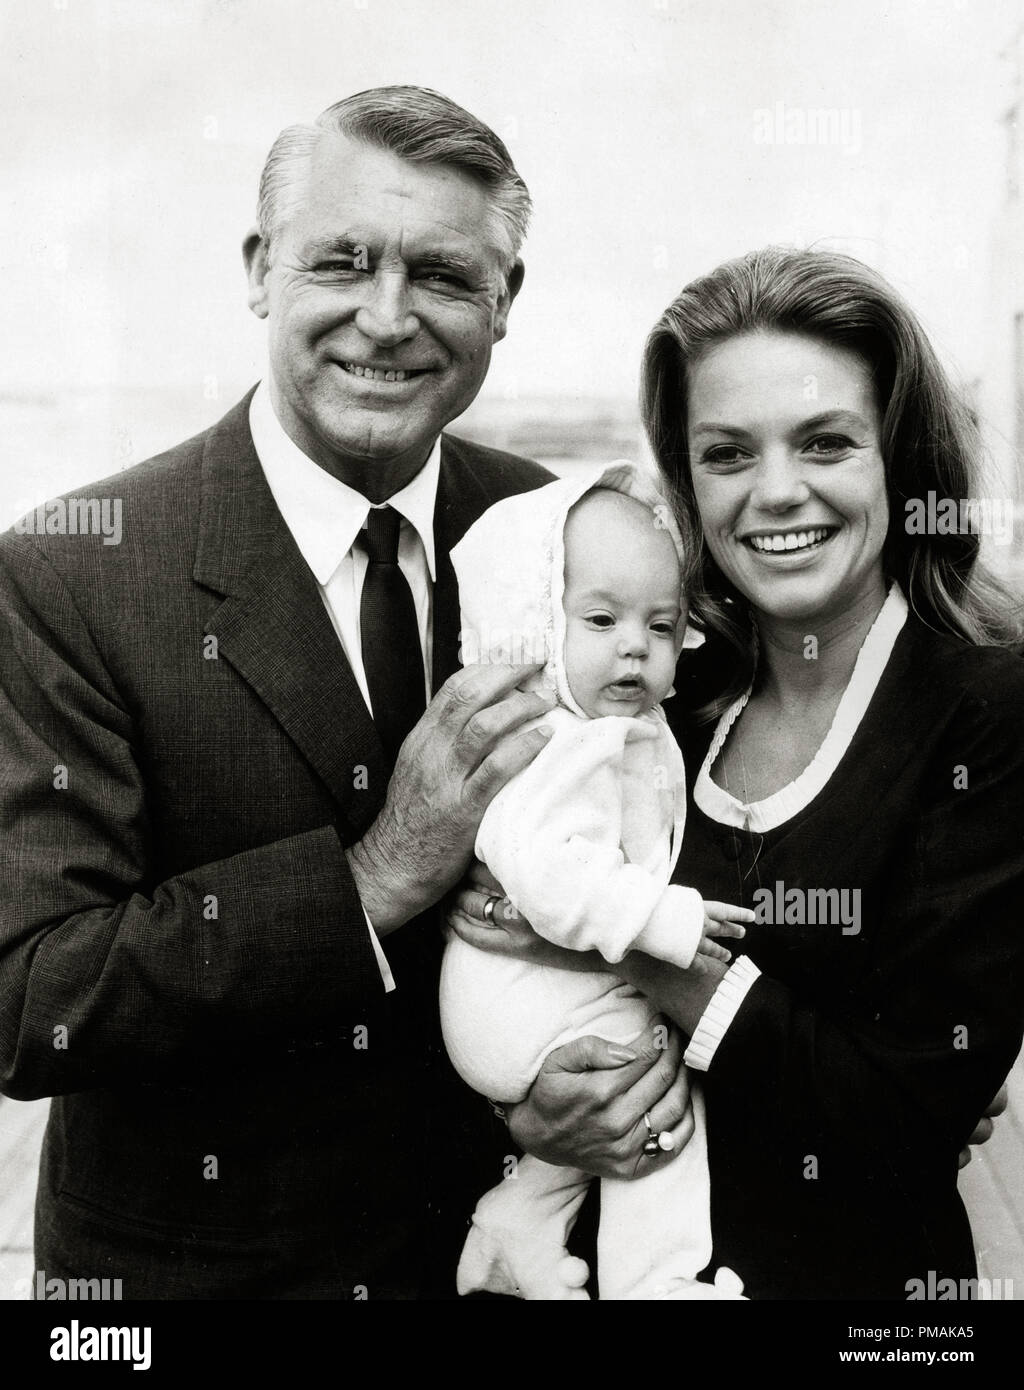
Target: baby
[{"x": 583, "y": 574}]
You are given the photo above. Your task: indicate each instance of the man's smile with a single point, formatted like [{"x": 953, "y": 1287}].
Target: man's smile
[{"x": 390, "y": 375}]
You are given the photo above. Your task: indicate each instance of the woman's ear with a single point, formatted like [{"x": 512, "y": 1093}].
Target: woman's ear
[{"x": 257, "y": 263}]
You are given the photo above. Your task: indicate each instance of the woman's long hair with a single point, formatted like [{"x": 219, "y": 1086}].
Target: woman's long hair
[{"x": 929, "y": 439}]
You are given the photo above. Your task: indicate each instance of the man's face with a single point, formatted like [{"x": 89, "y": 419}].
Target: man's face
[{"x": 384, "y": 295}]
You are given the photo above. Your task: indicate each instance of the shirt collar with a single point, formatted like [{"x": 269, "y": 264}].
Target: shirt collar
[{"x": 324, "y": 514}]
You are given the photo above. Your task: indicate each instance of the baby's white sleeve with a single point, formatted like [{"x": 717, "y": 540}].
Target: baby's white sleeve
[{"x": 552, "y": 839}]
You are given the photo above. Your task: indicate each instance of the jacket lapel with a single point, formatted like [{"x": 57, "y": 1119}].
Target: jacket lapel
[
  {"x": 273, "y": 627},
  {"x": 460, "y": 500}
]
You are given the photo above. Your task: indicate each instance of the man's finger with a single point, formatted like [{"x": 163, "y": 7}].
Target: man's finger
[
  {"x": 481, "y": 877},
  {"x": 475, "y": 687},
  {"x": 472, "y": 902},
  {"x": 512, "y": 754},
  {"x": 489, "y": 725},
  {"x": 475, "y": 932}
]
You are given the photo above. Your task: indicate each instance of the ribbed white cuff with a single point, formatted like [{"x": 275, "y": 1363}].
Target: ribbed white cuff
[{"x": 722, "y": 1008}]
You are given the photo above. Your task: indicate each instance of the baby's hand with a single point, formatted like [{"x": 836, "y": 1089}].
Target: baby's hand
[{"x": 722, "y": 919}]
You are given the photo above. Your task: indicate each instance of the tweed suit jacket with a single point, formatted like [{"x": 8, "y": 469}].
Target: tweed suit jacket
[{"x": 239, "y": 1109}]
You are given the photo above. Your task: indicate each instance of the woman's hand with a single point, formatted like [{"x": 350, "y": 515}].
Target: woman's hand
[
  {"x": 503, "y": 930},
  {"x": 982, "y": 1131},
  {"x": 586, "y": 1108}
]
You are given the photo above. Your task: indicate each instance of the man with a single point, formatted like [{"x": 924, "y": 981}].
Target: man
[{"x": 213, "y": 947}]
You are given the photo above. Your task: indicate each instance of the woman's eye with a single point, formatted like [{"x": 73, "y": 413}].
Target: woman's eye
[
  {"x": 829, "y": 444},
  {"x": 725, "y": 456}
]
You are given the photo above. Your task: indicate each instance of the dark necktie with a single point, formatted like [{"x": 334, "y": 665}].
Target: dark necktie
[{"x": 392, "y": 655}]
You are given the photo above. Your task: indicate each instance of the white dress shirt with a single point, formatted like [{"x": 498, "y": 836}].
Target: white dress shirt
[{"x": 325, "y": 516}]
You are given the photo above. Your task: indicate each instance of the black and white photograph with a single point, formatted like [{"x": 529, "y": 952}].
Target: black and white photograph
[{"x": 512, "y": 666}]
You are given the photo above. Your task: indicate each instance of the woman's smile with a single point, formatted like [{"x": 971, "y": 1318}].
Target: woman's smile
[{"x": 808, "y": 539}]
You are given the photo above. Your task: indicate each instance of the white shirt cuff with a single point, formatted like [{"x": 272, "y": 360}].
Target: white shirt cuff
[
  {"x": 722, "y": 1008},
  {"x": 382, "y": 960}
]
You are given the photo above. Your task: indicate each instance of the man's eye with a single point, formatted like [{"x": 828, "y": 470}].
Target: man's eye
[
  {"x": 446, "y": 278},
  {"x": 340, "y": 268}
]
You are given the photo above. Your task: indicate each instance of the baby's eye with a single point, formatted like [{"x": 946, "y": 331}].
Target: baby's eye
[
  {"x": 600, "y": 620},
  {"x": 663, "y": 628}
]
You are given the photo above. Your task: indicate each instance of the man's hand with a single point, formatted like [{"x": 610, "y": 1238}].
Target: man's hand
[
  {"x": 507, "y": 932},
  {"x": 586, "y": 1108},
  {"x": 468, "y": 744}
]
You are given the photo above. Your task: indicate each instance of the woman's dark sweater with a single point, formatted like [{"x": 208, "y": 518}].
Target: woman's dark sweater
[{"x": 859, "y": 1062}]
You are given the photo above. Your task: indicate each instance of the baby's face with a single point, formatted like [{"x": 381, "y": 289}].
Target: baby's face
[{"x": 622, "y": 606}]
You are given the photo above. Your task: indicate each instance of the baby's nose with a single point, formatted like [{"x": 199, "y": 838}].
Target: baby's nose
[{"x": 633, "y": 642}]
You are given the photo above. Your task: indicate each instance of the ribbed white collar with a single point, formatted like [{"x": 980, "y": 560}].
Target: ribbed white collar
[
  {"x": 782, "y": 805},
  {"x": 323, "y": 514}
]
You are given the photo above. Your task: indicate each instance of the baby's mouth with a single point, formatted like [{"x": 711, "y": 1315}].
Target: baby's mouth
[{"x": 628, "y": 688}]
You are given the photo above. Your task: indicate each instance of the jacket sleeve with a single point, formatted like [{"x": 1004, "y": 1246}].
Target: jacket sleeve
[
  {"x": 552, "y": 839},
  {"x": 892, "y": 1079},
  {"x": 105, "y": 975}
]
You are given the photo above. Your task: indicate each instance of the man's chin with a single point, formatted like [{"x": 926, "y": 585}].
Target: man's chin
[{"x": 371, "y": 437}]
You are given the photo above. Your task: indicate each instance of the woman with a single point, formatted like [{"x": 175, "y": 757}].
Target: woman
[{"x": 860, "y": 781}]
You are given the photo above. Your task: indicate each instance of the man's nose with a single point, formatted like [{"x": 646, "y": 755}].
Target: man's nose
[
  {"x": 779, "y": 482},
  {"x": 385, "y": 315}
]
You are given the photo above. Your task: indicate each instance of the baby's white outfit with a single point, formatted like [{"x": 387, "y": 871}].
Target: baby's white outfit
[{"x": 583, "y": 841}]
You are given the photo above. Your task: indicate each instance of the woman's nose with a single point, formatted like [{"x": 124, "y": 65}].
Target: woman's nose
[
  {"x": 384, "y": 315},
  {"x": 779, "y": 482}
]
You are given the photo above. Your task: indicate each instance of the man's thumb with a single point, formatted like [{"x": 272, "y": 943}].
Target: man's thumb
[{"x": 589, "y": 1054}]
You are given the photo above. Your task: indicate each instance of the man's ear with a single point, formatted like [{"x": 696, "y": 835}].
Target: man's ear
[
  {"x": 513, "y": 285},
  {"x": 257, "y": 263}
]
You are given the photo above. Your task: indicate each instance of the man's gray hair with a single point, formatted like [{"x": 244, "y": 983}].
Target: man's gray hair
[{"x": 414, "y": 123}]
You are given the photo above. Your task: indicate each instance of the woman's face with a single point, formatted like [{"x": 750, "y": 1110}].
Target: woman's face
[{"x": 786, "y": 460}]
